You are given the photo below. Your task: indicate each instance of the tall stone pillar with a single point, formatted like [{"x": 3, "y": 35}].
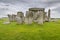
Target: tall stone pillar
[
  {"x": 44, "y": 14},
  {"x": 20, "y": 18},
  {"x": 45, "y": 17},
  {"x": 35, "y": 16},
  {"x": 29, "y": 17},
  {"x": 12, "y": 17},
  {"x": 49, "y": 15},
  {"x": 40, "y": 19}
]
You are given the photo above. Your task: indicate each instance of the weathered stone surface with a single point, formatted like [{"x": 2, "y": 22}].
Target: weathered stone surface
[
  {"x": 12, "y": 17},
  {"x": 37, "y": 15},
  {"x": 20, "y": 18},
  {"x": 29, "y": 17},
  {"x": 54, "y": 19},
  {"x": 45, "y": 17},
  {"x": 26, "y": 20},
  {"x": 30, "y": 20},
  {"x": 49, "y": 15},
  {"x": 21, "y": 15},
  {"x": 6, "y": 23},
  {"x": 40, "y": 17},
  {"x": 29, "y": 14},
  {"x": 36, "y": 9}
]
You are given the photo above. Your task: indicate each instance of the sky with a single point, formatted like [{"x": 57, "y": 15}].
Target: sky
[{"x": 13, "y": 6}]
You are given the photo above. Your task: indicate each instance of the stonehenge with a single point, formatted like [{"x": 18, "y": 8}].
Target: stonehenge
[{"x": 37, "y": 15}]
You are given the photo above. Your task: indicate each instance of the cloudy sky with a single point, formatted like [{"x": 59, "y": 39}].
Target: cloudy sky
[{"x": 12, "y": 6}]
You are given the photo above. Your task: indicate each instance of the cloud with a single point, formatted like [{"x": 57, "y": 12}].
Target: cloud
[{"x": 12, "y": 6}]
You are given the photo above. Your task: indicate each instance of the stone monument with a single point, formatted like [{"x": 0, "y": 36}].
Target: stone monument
[{"x": 37, "y": 15}]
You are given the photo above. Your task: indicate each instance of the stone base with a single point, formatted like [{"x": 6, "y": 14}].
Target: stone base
[
  {"x": 19, "y": 20},
  {"x": 40, "y": 20},
  {"x": 28, "y": 20}
]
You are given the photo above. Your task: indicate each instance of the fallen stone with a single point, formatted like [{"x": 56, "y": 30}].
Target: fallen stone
[{"x": 6, "y": 23}]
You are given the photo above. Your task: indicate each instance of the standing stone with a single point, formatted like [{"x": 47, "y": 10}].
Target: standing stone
[
  {"x": 12, "y": 17},
  {"x": 20, "y": 18},
  {"x": 40, "y": 19},
  {"x": 45, "y": 17},
  {"x": 35, "y": 16},
  {"x": 49, "y": 15},
  {"x": 29, "y": 17}
]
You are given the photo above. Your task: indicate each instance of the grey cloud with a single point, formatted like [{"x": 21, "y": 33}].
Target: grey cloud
[
  {"x": 57, "y": 9},
  {"x": 23, "y": 5}
]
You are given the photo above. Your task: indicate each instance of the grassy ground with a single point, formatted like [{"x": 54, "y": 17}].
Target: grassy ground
[{"x": 47, "y": 31}]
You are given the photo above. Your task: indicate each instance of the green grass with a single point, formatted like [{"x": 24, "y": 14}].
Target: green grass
[{"x": 47, "y": 31}]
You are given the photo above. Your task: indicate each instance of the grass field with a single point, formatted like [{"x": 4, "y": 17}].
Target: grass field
[{"x": 47, "y": 31}]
